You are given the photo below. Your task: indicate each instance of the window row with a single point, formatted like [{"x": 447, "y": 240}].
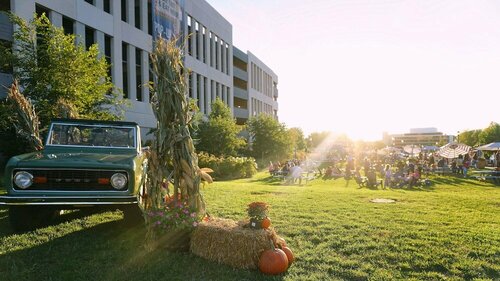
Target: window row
[
  {"x": 259, "y": 107},
  {"x": 205, "y": 91},
  {"x": 207, "y": 46},
  {"x": 129, "y": 53},
  {"x": 137, "y": 15},
  {"x": 261, "y": 80}
]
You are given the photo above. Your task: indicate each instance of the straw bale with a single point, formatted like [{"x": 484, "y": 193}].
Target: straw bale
[{"x": 228, "y": 242}]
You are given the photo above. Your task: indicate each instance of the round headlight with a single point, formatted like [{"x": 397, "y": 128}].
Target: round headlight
[
  {"x": 23, "y": 179},
  {"x": 119, "y": 180}
]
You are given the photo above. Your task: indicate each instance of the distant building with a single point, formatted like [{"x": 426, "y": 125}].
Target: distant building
[
  {"x": 417, "y": 136},
  {"x": 255, "y": 87}
]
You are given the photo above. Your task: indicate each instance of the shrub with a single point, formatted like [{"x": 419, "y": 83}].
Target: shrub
[{"x": 226, "y": 168}]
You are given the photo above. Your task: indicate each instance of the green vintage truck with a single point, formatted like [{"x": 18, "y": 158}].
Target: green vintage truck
[{"x": 84, "y": 163}]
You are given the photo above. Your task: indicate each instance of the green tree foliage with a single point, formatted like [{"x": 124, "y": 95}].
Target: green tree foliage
[
  {"x": 297, "y": 137},
  {"x": 270, "y": 138},
  {"x": 219, "y": 134},
  {"x": 470, "y": 137},
  {"x": 490, "y": 134},
  {"x": 60, "y": 78}
]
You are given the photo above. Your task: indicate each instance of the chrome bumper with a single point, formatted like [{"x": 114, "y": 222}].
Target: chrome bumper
[{"x": 67, "y": 200}]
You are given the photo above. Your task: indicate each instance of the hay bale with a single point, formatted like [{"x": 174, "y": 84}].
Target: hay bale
[{"x": 228, "y": 242}]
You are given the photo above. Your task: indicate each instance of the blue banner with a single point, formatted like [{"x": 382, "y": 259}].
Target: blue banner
[{"x": 168, "y": 18}]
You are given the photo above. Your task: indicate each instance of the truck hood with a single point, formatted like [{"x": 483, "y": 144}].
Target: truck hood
[{"x": 75, "y": 160}]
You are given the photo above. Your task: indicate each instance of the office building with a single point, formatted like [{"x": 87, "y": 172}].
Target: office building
[{"x": 122, "y": 29}]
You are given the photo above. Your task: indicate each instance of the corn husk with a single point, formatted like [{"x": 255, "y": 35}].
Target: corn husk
[
  {"x": 26, "y": 121},
  {"x": 173, "y": 143}
]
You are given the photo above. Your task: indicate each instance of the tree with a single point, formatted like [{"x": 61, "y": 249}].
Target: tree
[
  {"x": 219, "y": 134},
  {"x": 470, "y": 138},
  {"x": 490, "y": 134},
  {"x": 270, "y": 138},
  {"x": 297, "y": 138},
  {"x": 60, "y": 78}
]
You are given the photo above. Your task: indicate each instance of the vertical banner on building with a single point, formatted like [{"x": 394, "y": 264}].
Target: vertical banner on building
[{"x": 168, "y": 19}]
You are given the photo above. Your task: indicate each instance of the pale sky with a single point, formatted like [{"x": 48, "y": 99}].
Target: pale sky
[{"x": 362, "y": 67}]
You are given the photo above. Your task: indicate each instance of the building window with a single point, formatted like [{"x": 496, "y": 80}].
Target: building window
[
  {"x": 138, "y": 73},
  {"x": 91, "y": 2},
  {"x": 125, "y": 69},
  {"x": 222, "y": 57},
  {"x": 196, "y": 33},
  {"x": 241, "y": 84},
  {"x": 190, "y": 35},
  {"x": 5, "y": 5},
  {"x": 190, "y": 86},
  {"x": 212, "y": 91},
  {"x": 107, "y": 6},
  {"x": 150, "y": 17},
  {"x": 39, "y": 10},
  {"x": 204, "y": 44},
  {"x": 211, "y": 49},
  {"x": 205, "y": 91},
  {"x": 108, "y": 53},
  {"x": 198, "y": 90},
  {"x": 137, "y": 13},
  {"x": 124, "y": 10},
  {"x": 151, "y": 77},
  {"x": 227, "y": 59},
  {"x": 89, "y": 36},
  {"x": 216, "y": 52},
  {"x": 68, "y": 25},
  {"x": 240, "y": 103}
]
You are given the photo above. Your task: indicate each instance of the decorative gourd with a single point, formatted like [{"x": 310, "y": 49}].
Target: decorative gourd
[
  {"x": 273, "y": 261},
  {"x": 289, "y": 255},
  {"x": 266, "y": 223}
]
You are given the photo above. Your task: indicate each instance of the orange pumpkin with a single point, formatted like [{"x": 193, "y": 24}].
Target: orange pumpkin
[
  {"x": 289, "y": 255},
  {"x": 273, "y": 261},
  {"x": 266, "y": 223}
]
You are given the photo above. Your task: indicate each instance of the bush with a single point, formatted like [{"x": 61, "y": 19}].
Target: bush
[{"x": 230, "y": 167}]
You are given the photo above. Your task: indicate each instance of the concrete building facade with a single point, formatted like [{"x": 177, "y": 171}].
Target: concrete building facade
[
  {"x": 122, "y": 29},
  {"x": 255, "y": 87}
]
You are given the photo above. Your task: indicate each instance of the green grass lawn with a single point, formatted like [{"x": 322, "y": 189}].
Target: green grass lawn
[{"x": 448, "y": 231}]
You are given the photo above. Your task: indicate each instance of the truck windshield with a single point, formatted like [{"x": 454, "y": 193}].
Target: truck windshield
[{"x": 91, "y": 135}]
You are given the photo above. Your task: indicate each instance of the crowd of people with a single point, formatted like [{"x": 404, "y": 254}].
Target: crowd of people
[{"x": 388, "y": 171}]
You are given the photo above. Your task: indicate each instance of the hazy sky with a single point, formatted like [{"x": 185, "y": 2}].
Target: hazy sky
[{"x": 362, "y": 67}]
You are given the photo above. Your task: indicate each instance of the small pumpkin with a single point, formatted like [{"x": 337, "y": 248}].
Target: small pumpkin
[
  {"x": 266, "y": 223},
  {"x": 289, "y": 255}
]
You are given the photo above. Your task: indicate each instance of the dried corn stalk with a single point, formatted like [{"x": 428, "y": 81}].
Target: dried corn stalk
[
  {"x": 173, "y": 143},
  {"x": 25, "y": 119}
]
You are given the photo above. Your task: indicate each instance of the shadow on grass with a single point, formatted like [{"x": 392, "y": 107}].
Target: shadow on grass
[
  {"x": 268, "y": 180},
  {"x": 6, "y": 230},
  {"x": 108, "y": 251}
]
